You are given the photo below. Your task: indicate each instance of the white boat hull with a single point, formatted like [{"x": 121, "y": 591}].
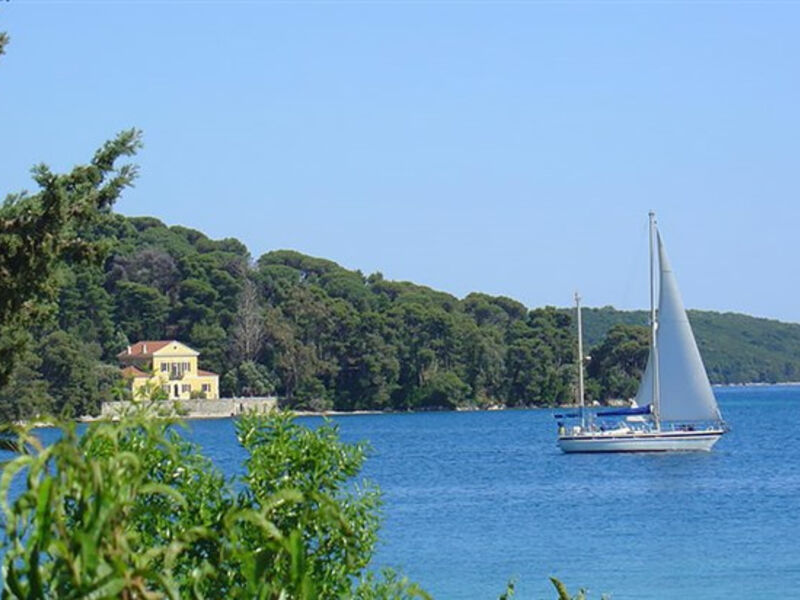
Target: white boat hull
[{"x": 640, "y": 441}]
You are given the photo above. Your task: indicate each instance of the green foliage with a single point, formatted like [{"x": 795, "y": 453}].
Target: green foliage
[
  {"x": 739, "y": 349},
  {"x": 248, "y": 379},
  {"x": 444, "y": 389},
  {"x": 131, "y": 510},
  {"x": 141, "y": 311},
  {"x": 511, "y": 589},
  {"x": 322, "y": 337},
  {"x": 26, "y": 395},
  {"x": 337, "y": 524},
  {"x": 617, "y": 364},
  {"x": 8, "y": 440},
  {"x": 563, "y": 594},
  {"x": 598, "y": 321},
  {"x": 72, "y": 532},
  {"x": 86, "y": 309},
  {"x": 541, "y": 359},
  {"x": 39, "y": 233},
  {"x": 390, "y": 586},
  {"x": 71, "y": 369},
  {"x": 735, "y": 348}
]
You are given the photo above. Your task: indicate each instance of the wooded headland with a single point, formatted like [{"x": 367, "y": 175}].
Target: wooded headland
[{"x": 323, "y": 337}]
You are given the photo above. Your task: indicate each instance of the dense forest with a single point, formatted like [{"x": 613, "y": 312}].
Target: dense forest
[
  {"x": 318, "y": 335},
  {"x": 324, "y": 337}
]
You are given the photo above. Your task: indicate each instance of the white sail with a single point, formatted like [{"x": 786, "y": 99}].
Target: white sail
[
  {"x": 644, "y": 395},
  {"x": 684, "y": 390},
  {"x": 674, "y": 383}
]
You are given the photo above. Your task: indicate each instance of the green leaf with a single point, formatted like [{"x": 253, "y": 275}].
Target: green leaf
[{"x": 563, "y": 594}]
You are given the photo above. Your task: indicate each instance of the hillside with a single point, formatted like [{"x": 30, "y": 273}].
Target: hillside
[
  {"x": 318, "y": 335},
  {"x": 736, "y": 348},
  {"x": 324, "y": 337}
]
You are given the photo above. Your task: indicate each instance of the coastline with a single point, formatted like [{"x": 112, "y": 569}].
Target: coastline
[{"x": 202, "y": 416}]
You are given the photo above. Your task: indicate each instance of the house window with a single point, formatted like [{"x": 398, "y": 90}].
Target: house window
[
  {"x": 176, "y": 369},
  {"x": 186, "y": 388},
  {"x": 164, "y": 367},
  {"x": 206, "y": 387}
]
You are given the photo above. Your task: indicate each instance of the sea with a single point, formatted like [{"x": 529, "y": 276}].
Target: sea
[{"x": 475, "y": 499}]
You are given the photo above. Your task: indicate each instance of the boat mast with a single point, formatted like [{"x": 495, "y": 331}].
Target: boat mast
[
  {"x": 580, "y": 360},
  {"x": 653, "y": 322}
]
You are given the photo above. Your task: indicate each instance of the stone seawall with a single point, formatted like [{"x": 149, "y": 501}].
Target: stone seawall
[{"x": 196, "y": 409}]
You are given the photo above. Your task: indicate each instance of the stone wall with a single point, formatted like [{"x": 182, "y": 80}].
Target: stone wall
[{"x": 196, "y": 409}]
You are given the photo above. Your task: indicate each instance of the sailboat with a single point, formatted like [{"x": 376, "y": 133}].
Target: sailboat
[{"x": 674, "y": 408}]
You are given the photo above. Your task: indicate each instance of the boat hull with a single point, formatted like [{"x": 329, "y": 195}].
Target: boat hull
[{"x": 653, "y": 441}]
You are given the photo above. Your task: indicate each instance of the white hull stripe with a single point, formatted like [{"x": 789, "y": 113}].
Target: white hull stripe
[
  {"x": 639, "y": 443},
  {"x": 683, "y": 435}
]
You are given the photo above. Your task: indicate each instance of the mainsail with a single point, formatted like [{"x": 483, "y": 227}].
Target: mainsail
[{"x": 684, "y": 392}]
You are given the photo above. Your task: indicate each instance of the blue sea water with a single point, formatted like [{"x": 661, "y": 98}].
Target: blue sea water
[{"x": 473, "y": 499}]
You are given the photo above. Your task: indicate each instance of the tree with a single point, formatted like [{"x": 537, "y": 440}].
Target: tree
[
  {"x": 484, "y": 361},
  {"x": 86, "y": 309},
  {"x": 211, "y": 340},
  {"x": 141, "y": 311},
  {"x": 73, "y": 374},
  {"x": 443, "y": 390},
  {"x": 368, "y": 366},
  {"x": 26, "y": 394},
  {"x": 248, "y": 379},
  {"x": 618, "y": 362},
  {"x": 540, "y": 359},
  {"x": 40, "y": 232},
  {"x": 247, "y": 337},
  {"x": 149, "y": 266},
  {"x": 197, "y": 298}
]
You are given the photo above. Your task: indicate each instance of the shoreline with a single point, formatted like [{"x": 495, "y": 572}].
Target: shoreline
[
  {"x": 335, "y": 413},
  {"x": 192, "y": 416}
]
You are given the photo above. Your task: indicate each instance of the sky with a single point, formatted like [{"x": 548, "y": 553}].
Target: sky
[{"x": 511, "y": 148}]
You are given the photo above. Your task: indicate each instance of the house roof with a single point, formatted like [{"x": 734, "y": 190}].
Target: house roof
[
  {"x": 133, "y": 372},
  {"x": 149, "y": 348},
  {"x": 206, "y": 373},
  {"x": 144, "y": 348}
]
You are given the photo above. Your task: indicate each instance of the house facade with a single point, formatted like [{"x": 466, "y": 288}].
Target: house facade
[{"x": 170, "y": 365}]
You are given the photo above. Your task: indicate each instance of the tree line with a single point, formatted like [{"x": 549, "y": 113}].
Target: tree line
[
  {"x": 324, "y": 337},
  {"x": 318, "y": 335}
]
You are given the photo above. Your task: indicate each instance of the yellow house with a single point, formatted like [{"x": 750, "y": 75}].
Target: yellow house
[{"x": 171, "y": 365}]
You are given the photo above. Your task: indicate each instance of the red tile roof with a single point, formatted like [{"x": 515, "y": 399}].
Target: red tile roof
[
  {"x": 145, "y": 348},
  {"x": 133, "y": 372},
  {"x": 206, "y": 373}
]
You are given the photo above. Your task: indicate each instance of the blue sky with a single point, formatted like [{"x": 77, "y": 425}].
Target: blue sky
[{"x": 510, "y": 148}]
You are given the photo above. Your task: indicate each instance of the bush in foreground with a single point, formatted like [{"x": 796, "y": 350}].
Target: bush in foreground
[{"x": 132, "y": 510}]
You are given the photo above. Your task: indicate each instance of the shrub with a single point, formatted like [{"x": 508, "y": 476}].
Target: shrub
[{"x": 132, "y": 510}]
